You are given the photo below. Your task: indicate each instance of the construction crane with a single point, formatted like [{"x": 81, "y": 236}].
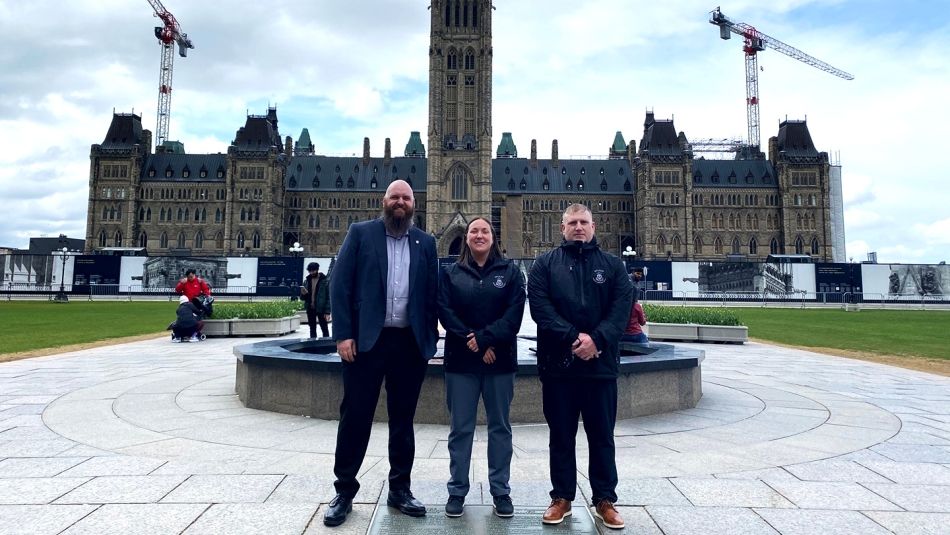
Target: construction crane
[
  {"x": 755, "y": 42},
  {"x": 168, "y": 35},
  {"x": 717, "y": 145}
]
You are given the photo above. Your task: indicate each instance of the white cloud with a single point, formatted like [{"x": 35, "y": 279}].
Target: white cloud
[{"x": 577, "y": 73}]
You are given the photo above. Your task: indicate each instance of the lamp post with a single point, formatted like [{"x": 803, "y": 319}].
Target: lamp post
[
  {"x": 628, "y": 254},
  {"x": 61, "y": 297},
  {"x": 295, "y": 250}
]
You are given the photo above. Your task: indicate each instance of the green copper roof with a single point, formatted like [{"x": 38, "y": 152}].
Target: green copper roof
[
  {"x": 173, "y": 147},
  {"x": 304, "y": 140},
  {"x": 415, "y": 146},
  {"x": 507, "y": 148},
  {"x": 619, "y": 144}
]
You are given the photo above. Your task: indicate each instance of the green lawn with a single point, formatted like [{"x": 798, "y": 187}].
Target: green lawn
[
  {"x": 31, "y": 325},
  {"x": 917, "y": 333}
]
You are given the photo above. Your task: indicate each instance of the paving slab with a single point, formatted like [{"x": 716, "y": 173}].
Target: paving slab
[
  {"x": 141, "y": 519},
  {"x": 823, "y": 495},
  {"x": 40, "y": 519},
  {"x": 224, "y": 489},
  {"x": 798, "y": 522},
  {"x": 919, "y": 498},
  {"x": 254, "y": 519},
  {"x": 123, "y": 489},
  {"x": 912, "y": 523},
  {"x": 709, "y": 521}
]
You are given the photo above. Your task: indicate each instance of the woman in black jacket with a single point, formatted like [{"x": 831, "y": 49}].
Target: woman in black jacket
[{"x": 481, "y": 303}]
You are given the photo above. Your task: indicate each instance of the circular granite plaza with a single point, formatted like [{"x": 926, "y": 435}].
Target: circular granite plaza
[{"x": 151, "y": 436}]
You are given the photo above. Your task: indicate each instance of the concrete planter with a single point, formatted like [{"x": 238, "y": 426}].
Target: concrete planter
[
  {"x": 252, "y": 327},
  {"x": 687, "y": 332}
]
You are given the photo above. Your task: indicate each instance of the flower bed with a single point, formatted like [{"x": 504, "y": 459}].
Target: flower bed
[
  {"x": 266, "y": 318},
  {"x": 694, "y": 324}
]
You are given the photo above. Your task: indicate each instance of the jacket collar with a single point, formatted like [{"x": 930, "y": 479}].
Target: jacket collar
[{"x": 577, "y": 248}]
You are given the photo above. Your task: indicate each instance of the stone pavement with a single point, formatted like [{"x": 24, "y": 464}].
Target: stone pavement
[{"x": 149, "y": 437}]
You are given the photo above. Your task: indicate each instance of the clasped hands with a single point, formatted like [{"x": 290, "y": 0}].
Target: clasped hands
[
  {"x": 584, "y": 347},
  {"x": 488, "y": 357}
]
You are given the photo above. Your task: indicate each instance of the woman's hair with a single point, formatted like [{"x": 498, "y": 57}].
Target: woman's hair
[{"x": 494, "y": 252}]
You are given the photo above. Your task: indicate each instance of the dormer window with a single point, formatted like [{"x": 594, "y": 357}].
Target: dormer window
[
  {"x": 168, "y": 172},
  {"x": 523, "y": 185},
  {"x": 580, "y": 184},
  {"x": 546, "y": 185},
  {"x": 511, "y": 183},
  {"x": 569, "y": 184}
]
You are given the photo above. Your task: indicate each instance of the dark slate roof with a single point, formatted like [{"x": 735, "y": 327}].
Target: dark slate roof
[
  {"x": 733, "y": 174},
  {"x": 659, "y": 137},
  {"x": 320, "y": 173},
  {"x": 508, "y": 174},
  {"x": 259, "y": 133},
  {"x": 795, "y": 140},
  {"x": 178, "y": 163},
  {"x": 125, "y": 131}
]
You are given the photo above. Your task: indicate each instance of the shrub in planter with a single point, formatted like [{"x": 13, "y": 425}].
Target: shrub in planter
[
  {"x": 694, "y": 315},
  {"x": 259, "y": 310}
]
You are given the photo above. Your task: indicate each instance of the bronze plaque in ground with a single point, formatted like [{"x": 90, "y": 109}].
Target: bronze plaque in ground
[{"x": 477, "y": 520}]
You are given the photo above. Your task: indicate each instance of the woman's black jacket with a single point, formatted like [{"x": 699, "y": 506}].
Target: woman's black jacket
[{"x": 487, "y": 301}]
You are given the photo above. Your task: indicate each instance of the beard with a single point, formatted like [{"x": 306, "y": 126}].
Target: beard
[{"x": 397, "y": 225}]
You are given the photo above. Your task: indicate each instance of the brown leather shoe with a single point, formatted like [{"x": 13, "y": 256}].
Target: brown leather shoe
[
  {"x": 608, "y": 514},
  {"x": 557, "y": 511}
]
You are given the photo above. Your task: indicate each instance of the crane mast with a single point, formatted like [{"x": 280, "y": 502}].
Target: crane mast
[
  {"x": 754, "y": 42},
  {"x": 168, "y": 35}
]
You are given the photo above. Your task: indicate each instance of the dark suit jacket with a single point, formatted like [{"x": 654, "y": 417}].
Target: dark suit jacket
[{"x": 358, "y": 287}]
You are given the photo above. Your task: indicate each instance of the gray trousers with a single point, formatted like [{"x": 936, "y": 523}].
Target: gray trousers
[{"x": 462, "y": 393}]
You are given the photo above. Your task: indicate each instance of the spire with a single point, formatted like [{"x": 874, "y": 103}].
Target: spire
[
  {"x": 507, "y": 148},
  {"x": 415, "y": 148},
  {"x": 304, "y": 146},
  {"x": 619, "y": 149}
]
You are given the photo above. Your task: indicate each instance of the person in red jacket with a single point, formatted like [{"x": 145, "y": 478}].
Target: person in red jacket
[
  {"x": 634, "y": 331},
  {"x": 193, "y": 287}
]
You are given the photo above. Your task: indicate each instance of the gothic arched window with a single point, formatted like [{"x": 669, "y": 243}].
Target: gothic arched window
[{"x": 459, "y": 184}]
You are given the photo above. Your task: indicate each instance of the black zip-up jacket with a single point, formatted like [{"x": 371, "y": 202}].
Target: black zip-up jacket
[
  {"x": 577, "y": 288},
  {"x": 487, "y": 301}
]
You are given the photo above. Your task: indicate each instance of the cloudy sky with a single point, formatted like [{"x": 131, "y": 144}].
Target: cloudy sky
[{"x": 572, "y": 71}]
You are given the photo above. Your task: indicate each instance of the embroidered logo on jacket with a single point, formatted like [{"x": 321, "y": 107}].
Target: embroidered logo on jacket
[
  {"x": 599, "y": 276},
  {"x": 499, "y": 281}
]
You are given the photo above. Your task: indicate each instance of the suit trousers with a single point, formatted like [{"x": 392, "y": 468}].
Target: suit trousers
[
  {"x": 397, "y": 361},
  {"x": 462, "y": 393},
  {"x": 565, "y": 399}
]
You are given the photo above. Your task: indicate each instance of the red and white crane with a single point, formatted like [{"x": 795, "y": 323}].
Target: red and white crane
[
  {"x": 168, "y": 35},
  {"x": 755, "y": 42}
]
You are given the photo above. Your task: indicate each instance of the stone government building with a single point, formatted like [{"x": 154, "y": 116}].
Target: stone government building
[{"x": 268, "y": 192}]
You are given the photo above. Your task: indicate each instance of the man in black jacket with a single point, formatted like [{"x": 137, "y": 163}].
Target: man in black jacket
[{"x": 580, "y": 298}]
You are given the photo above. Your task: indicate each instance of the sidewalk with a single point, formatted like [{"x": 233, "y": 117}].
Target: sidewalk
[{"x": 149, "y": 437}]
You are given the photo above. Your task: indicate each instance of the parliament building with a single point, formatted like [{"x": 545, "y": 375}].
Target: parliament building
[{"x": 267, "y": 192}]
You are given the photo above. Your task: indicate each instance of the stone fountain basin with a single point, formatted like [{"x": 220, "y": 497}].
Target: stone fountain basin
[{"x": 304, "y": 377}]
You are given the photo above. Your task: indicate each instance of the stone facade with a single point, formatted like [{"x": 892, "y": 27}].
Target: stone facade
[{"x": 656, "y": 197}]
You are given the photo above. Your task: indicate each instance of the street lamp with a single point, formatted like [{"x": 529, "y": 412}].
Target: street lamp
[
  {"x": 61, "y": 296},
  {"x": 296, "y": 249},
  {"x": 628, "y": 254}
]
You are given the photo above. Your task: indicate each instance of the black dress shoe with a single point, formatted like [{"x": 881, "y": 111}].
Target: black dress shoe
[
  {"x": 339, "y": 507},
  {"x": 406, "y": 503}
]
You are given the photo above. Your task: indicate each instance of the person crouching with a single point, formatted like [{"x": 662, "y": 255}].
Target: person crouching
[{"x": 187, "y": 325}]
